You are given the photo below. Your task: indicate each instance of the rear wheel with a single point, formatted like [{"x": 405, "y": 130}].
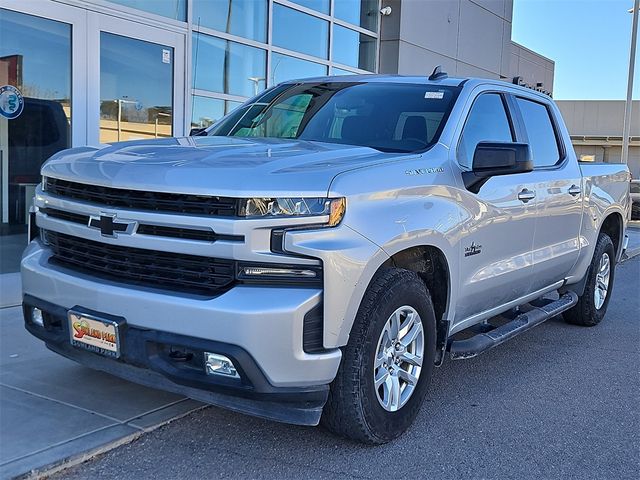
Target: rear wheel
[
  {"x": 387, "y": 364},
  {"x": 592, "y": 305}
]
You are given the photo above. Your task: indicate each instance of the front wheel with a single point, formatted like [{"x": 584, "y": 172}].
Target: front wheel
[
  {"x": 592, "y": 304},
  {"x": 386, "y": 366}
]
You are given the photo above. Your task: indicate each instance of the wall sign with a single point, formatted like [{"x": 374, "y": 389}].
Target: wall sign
[{"x": 11, "y": 102}]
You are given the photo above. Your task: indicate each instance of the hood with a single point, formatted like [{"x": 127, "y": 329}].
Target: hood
[{"x": 224, "y": 166}]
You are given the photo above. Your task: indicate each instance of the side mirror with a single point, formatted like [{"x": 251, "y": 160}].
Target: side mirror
[
  {"x": 497, "y": 158},
  {"x": 196, "y": 132}
]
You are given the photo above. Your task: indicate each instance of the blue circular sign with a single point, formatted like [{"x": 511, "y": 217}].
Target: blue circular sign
[{"x": 11, "y": 102}]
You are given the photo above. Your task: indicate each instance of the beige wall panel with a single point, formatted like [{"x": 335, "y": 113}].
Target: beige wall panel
[
  {"x": 414, "y": 60},
  {"x": 497, "y": 7},
  {"x": 548, "y": 79},
  {"x": 506, "y": 49},
  {"x": 466, "y": 70},
  {"x": 431, "y": 24},
  {"x": 480, "y": 41}
]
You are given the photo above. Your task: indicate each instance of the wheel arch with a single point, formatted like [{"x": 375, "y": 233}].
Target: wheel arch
[
  {"x": 613, "y": 225},
  {"x": 431, "y": 264}
]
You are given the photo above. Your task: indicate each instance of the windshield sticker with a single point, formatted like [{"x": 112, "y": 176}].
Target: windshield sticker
[{"x": 434, "y": 95}]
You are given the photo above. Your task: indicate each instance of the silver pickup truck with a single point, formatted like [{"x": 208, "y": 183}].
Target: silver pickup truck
[{"x": 314, "y": 254}]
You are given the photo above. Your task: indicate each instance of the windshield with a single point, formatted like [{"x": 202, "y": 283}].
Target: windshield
[{"x": 389, "y": 117}]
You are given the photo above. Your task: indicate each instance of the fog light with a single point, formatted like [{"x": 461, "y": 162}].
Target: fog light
[
  {"x": 219, "y": 365},
  {"x": 36, "y": 317}
]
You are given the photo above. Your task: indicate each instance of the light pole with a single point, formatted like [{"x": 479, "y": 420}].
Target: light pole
[
  {"x": 120, "y": 101},
  {"x": 627, "y": 107},
  {"x": 155, "y": 128},
  {"x": 256, "y": 82}
]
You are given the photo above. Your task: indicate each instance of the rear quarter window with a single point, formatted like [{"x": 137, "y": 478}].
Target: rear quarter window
[{"x": 541, "y": 132}]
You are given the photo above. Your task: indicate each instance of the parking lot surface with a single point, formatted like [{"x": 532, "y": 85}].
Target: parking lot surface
[{"x": 558, "y": 401}]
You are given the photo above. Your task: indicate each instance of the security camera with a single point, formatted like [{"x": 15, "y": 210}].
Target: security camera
[{"x": 384, "y": 11}]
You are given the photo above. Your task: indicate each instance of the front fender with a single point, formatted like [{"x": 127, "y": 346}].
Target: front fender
[{"x": 349, "y": 262}]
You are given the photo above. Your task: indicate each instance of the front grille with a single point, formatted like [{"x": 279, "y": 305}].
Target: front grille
[
  {"x": 186, "y": 233},
  {"x": 66, "y": 216},
  {"x": 148, "y": 229},
  {"x": 142, "y": 200},
  {"x": 150, "y": 268}
]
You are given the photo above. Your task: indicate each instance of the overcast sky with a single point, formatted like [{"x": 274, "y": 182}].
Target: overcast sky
[{"x": 588, "y": 39}]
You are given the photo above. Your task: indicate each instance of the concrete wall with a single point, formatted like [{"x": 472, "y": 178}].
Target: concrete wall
[
  {"x": 532, "y": 67},
  {"x": 598, "y": 117},
  {"x": 466, "y": 37},
  {"x": 596, "y": 130}
]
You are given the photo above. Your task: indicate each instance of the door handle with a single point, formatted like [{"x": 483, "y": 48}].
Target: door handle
[
  {"x": 575, "y": 190},
  {"x": 525, "y": 195}
]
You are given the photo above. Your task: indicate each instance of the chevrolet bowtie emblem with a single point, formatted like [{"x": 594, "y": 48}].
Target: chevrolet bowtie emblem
[{"x": 107, "y": 225}]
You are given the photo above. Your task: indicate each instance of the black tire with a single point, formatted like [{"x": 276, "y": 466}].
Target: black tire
[
  {"x": 353, "y": 409},
  {"x": 635, "y": 211},
  {"x": 585, "y": 312}
]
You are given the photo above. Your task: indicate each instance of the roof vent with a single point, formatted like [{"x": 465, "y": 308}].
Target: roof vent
[{"x": 438, "y": 74}]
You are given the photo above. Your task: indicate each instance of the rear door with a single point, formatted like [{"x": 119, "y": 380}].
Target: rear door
[{"x": 557, "y": 184}]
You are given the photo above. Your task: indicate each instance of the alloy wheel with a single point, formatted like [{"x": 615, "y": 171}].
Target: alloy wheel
[{"x": 399, "y": 357}]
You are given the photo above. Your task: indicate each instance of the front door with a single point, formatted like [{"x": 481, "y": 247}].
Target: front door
[
  {"x": 141, "y": 82},
  {"x": 498, "y": 221}
]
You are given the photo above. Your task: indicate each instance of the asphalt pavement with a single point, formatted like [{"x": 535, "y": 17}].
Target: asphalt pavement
[{"x": 559, "y": 401}]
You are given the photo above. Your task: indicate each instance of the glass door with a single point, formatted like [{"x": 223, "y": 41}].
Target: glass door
[
  {"x": 37, "y": 105},
  {"x": 140, "y": 71}
]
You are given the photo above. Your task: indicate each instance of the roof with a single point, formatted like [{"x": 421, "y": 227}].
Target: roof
[
  {"x": 384, "y": 78},
  {"x": 379, "y": 78}
]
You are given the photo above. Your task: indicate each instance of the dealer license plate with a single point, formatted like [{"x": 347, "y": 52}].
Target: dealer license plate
[{"x": 98, "y": 335}]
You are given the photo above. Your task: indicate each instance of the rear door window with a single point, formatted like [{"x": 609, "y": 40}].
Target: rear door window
[{"x": 542, "y": 135}]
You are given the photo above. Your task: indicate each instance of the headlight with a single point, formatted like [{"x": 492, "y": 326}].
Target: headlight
[{"x": 295, "y": 207}]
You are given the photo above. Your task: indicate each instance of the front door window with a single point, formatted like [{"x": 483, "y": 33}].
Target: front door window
[
  {"x": 35, "y": 71},
  {"x": 136, "y": 89}
]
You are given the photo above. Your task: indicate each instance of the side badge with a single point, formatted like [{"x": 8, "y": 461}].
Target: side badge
[
  {"x": 424, "y": 171},
  {"x": 473, "y": 249}
]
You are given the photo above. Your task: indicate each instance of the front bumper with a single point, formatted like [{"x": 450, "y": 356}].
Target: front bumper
[{"x": 261, "y": 327}]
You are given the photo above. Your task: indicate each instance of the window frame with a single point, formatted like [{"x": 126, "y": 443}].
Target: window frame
[
  {"x": 514, "y": 123},
  {"x": 562, "y": 151}
]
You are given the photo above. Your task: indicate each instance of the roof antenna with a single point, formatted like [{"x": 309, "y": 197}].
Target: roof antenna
[{"x": 438, "y": 74}]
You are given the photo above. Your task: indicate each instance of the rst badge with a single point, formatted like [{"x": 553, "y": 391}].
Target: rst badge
[{"x": 473, "y": 249}]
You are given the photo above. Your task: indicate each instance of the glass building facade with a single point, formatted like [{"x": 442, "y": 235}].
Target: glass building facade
[
  {"x": 100, "y": 71},
  {"x": 240, "y": 47}
]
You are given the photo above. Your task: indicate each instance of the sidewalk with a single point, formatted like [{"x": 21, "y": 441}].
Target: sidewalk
[{"x": 53, "y": 411}]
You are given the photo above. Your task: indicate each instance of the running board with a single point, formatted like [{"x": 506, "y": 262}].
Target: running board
[{"x": 471, "y": 347}]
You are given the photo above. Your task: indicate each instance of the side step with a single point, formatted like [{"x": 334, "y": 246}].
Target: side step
[{"x": 471, "y": 347}]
